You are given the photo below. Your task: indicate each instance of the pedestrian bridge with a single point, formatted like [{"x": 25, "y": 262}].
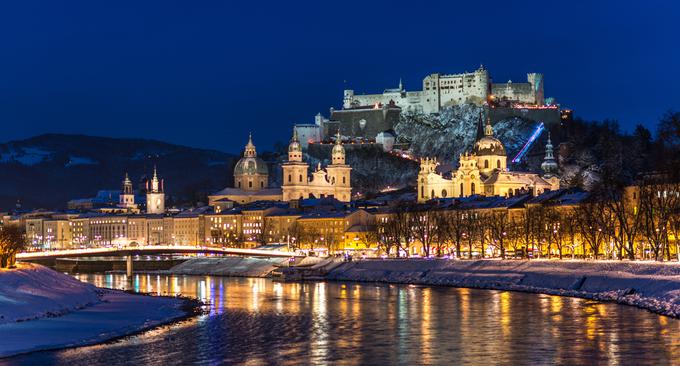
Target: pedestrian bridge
[
  {"x": 129, "y": 252},
  {"x": 125, "y": 251}
]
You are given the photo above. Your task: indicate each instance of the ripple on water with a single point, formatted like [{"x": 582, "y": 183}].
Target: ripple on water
[{"x": 257, "y": 321}]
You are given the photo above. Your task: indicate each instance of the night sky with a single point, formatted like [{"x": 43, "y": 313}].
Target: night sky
[{"x": 204, "y": 73}]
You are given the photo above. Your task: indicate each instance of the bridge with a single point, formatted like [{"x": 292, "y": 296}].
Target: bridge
[{"x": 129, "y": 252}]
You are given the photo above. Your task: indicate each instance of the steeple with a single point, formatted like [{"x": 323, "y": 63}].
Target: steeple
[
  {"x": 127, "y": 185},
  {"x": 401, "y": 85},
  {"x": 549, "y": 165},
  {"x": 480, "y": 127},
  {"x": 294, "y": 148},
  {"x": 250, "y": 151},
  {"x": 155, "y": 183},
  {"x": 488, "y": 130},
  {"x": 338, "y": 152}
]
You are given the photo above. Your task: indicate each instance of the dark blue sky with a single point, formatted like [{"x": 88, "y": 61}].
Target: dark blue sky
[{"x": 204, "y": 73}]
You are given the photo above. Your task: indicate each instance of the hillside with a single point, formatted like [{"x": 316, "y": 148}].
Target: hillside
[{"x": 48, "y": 170}]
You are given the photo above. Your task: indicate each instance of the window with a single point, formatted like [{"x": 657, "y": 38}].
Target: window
[
  {"x": 472, "y": 188},
  {"x": 498, "y": 164},
  {"x": 432, "y": 194},
  {"x": 290, "y": 178},
  {"x": 250, "y": 184},
  {"x": 486, "y": 164},
  {"x": 444, "y": 193},
  {"x": 300, "y": 178},
  {"x": 422, "y": 192},
  {"x": 461, "y": 190},
  {"x": 261, "y": 184},
  {"x": 239, "y": 184},
  {"x": 344, "y": 180}
]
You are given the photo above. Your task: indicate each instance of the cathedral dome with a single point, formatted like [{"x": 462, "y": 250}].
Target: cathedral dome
[
  {"x": 251, "y": 166},
  {"x": 488, "y": 145}
]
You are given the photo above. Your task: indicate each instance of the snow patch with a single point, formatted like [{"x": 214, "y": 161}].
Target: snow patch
[{"x": 651, "y": 286}]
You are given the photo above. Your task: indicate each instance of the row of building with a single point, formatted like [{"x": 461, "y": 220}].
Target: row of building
[{"x": 322, "y": 225}]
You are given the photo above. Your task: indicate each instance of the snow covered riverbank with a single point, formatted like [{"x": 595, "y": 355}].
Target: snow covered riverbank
[
  {"x": 652, "y": 286},
  {"x": 226, "y": 266},
  {"x": 42, "y": 309}
]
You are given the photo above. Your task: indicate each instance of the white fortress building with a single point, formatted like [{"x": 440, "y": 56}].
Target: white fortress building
[
  {"x": 443, "y": 90},
  {"x": 483, "y": 171}
]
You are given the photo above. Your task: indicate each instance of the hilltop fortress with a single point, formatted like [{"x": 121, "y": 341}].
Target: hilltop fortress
[{"x": 444, "y": 90}]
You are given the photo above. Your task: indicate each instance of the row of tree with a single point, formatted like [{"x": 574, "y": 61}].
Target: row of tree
[{"x": 642, "y": 225}]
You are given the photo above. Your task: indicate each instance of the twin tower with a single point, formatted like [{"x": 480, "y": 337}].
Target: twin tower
[{"x": 333, "y": 181}]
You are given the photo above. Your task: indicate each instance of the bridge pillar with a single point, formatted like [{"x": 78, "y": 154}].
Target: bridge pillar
[{"x": 129, "y": 266}]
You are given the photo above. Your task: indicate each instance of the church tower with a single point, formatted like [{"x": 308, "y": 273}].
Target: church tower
[
  {"x": 127, "y": 194},
  {"x": 549, "y": 165},
  {"x": 339, "y": 172},
  {"x": 295, "y": 172},
  {"x": 155, "y": 196}
]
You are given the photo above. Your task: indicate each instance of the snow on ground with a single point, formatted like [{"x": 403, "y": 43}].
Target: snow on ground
[
  {"x": 227, "y": 266},
  {"x": 43, "y": 309},
  {"x": 32, "y": 291},
  {"x": 652, "y": 286}
]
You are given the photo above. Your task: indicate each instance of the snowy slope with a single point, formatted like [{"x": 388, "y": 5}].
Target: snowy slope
[
  {"x": 227, "y": 266},
  {"x": 652, "y": 286},
  {"x": 33, "y": 291},
  {"x": 42, "y": 309}
]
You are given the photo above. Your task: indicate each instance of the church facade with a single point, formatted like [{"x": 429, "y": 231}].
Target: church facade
[
  {"x": 483, "y": 171},
  {"x": 333, "y": 181}
]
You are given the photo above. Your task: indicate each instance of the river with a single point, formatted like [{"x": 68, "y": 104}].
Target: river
[{"x": 257, "y": 321}]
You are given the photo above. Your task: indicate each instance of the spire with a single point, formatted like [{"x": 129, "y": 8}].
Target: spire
[
  {"x": 250, "y": 148},
  {"x": 488, "y": 130},
  {"x": 295, "y": 136},
  {"x": 401, "y": 85},
  {"x": 549, "y": 165},
  {"x": 480, "y": 127},
  {"x": 154, "y": 181},
  {"x": 338, "y": 141}
]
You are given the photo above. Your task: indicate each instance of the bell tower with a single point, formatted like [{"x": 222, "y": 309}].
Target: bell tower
[
  {"x": 155, "y": 195},
  {"x": 127, "y": 194},
  {"x": 295, "y": 172},
  {"x": 339, "y": 172}
]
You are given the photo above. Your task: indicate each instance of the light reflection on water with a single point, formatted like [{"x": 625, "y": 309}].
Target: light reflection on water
[{"x": 257, "y": 321}]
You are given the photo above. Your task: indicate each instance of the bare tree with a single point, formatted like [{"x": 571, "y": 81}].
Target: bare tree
[
  {"x": 452, "y": 227},
  {"x": 12, "y": 240},
  {"x": 423, "y": 223},
  {"x": 499, "y": 226},
  {"x": 588, "y": 221}
]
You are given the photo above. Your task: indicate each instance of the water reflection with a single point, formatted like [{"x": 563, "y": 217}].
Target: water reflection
[{"x": 257, "y": 321}]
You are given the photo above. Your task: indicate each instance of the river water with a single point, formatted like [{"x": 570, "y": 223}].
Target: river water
[{"x": 258, "y": 321}]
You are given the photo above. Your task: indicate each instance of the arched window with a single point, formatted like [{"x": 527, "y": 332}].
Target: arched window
[
  {"x": 498, "y": 164},
  {"x": 422, "y": 192},
  {"x": 250, "y": 184},
  {"x": 432, "y": 196},
  {"x": 300, "y": 178},
  {"x": 486, "y": 164},
  {"x": 461, "y": 190},
  {"x": 444, "y": 193},
  {"x": 343, "y": 180},
  {"x": 472, "y": 188},
  {"x": 290, "y": 178},
  {"x": 261, "y": 184}
]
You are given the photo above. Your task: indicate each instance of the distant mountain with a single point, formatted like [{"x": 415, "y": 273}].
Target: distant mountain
[{"x": 48, "y": 170}]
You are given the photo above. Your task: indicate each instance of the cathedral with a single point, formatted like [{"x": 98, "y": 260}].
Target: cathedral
[
  {"x": 483, "y": 171},
  {"x": 333, "y": 181},
  {"x": 251, "y": 178}
]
